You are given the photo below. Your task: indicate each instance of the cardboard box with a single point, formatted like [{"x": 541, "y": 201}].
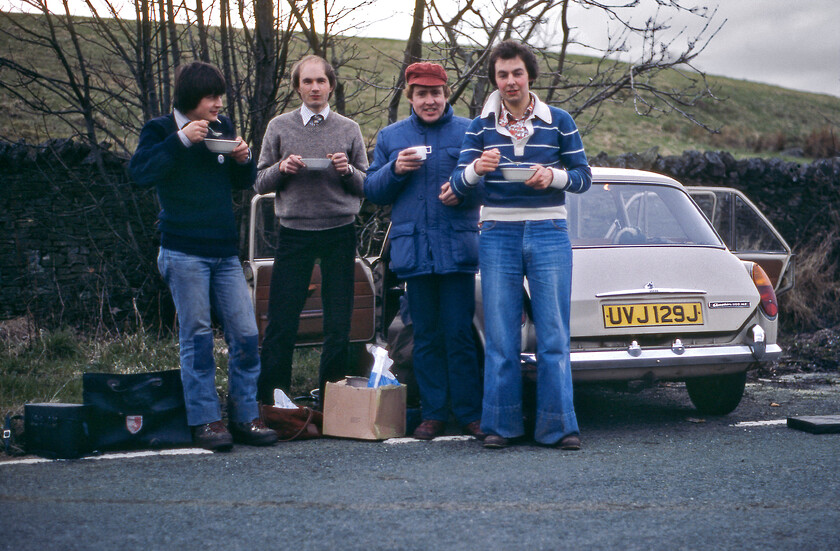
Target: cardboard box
[
  {"x": 352, "y": 410},
  {"x": 56, "y": 431}
]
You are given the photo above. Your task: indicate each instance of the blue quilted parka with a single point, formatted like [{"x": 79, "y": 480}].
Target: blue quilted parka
[{"x": 426, "y": 236}]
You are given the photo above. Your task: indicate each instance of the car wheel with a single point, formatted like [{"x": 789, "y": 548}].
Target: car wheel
[{"x": 717, "y": 394}]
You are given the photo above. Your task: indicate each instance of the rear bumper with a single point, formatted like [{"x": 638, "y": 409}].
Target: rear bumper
[{"x": 662, "y": 363}]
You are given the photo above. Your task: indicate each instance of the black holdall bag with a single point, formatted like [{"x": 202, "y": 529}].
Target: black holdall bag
[{"x": 141, "y": 410}]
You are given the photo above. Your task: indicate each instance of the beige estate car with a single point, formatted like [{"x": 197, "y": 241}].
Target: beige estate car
[{"x": 658, "y": 293}]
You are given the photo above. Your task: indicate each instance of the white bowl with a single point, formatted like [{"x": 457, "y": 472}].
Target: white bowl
[
  {"x": 317, "y": 164},
  {"x": 220, "y": 146},
  {"x": 518, "y": 174}
]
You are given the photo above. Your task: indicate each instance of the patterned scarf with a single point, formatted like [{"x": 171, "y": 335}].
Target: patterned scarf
[{"x": 515, "y": 126}]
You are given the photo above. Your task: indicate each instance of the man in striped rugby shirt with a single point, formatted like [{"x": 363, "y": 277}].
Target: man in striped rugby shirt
[{"x": 523, "y": 235}]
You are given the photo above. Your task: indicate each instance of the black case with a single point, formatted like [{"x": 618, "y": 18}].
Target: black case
[
  {"x": 56, "y": 431},
  {"x": 136, "y": 411}
]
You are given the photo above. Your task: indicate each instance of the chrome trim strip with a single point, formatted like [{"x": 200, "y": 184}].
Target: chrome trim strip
[
  {"x": 664, "y": 357},
  {"x": 654, "y": 291}
]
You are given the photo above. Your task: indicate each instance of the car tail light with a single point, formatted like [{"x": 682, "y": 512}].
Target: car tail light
[{"x": 769, "y": 304}]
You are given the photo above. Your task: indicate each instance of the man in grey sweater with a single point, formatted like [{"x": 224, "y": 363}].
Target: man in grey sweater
[{"x": 316, "y": 209}]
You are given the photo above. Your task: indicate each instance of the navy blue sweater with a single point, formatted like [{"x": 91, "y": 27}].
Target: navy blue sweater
[{"x": 193, "y": 186}]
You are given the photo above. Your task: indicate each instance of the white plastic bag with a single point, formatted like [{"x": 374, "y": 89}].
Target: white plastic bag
[
  {"x": 282, "y": 401},
  {"x": 380, "y": 374}
]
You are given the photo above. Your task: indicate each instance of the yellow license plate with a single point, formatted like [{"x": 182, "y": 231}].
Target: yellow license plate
[{"x": 651, "y": 315}]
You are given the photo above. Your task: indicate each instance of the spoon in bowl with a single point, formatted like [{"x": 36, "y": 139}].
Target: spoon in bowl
[{"x": 214, "y": 133}]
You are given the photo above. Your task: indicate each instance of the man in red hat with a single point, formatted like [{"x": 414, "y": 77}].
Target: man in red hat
[{"x": 434, "y": 248}]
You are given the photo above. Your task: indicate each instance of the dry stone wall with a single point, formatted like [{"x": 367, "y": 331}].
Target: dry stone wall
[{"x": 78, "y": 247}]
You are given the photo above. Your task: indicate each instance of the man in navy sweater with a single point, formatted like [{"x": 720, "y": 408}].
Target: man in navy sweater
[
  {"x": 199, "y": 253},
  {"x": 523, "y": 235}
]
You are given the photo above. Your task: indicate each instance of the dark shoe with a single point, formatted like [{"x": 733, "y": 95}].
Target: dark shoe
[
  {"x": 213, "y": 436},
  {"x": 253, "y": 433},
  {"x": 428, "y": 429},
  {"x": 496, "y": 442},
  {"x": 570, "y": 442},
  {"x": 474, "y": 429}
]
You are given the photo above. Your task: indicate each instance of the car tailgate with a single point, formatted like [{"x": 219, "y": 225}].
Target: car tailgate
[{"x": 655, "y": 290}]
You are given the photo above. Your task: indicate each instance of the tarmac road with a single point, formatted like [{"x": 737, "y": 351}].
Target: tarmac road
[{"x": 653, "y": 474}]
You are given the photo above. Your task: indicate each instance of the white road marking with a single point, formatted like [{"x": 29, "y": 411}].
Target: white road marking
[
  {"x": 407, "y": 440},
  {"x": 199, "y": 451},
  {"x": 124, "y": 455},
  {"x": 27, "y": 461},
  {"x": 760, "y": 423},
  {"x": 148, "y": 453}
]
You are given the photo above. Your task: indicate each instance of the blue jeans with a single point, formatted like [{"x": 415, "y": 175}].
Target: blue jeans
[
  {"x": 198, "y": 284},
  {"x": 540, "y": 251},
  {"x": 445, "y": 359}
]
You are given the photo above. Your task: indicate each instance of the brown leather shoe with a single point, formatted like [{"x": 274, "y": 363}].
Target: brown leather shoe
[
  {"x": 213, "y": 436},
  {"x": 474, "y": 429},
  {"x": 428, "y": 429},
  {"x": 495, "y": 442},
  {"x": 253, "y": 433},
  {"x": 570, "y": 442}
]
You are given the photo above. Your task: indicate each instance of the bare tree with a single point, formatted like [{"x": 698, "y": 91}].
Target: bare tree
[
  {"x": 324, "y": 25},
  {"x": 163, "y": 47},
  {"x": 413, "y": 53},
  {"x": 464, "y": 31},
  {"x": 116, "y": 73},
  {"x": 203, "y": 49},
  {"x": 69, "y": 93}
]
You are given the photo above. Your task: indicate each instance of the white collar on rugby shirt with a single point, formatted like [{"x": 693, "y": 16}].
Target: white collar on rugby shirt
[{"x": 493, "y": 106}]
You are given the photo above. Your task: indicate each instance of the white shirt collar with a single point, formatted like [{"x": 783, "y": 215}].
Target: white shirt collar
[
  {"x": 181, "y": 120},
  {"x": 307, "y": 113},
  {"x": 493, "y": 106}
]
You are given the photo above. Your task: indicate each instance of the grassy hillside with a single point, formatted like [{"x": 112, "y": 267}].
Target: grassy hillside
[{"x": 753, "y": 119}]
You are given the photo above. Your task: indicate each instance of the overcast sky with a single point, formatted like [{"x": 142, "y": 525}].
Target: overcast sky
[{"x": 789, "y": 43}]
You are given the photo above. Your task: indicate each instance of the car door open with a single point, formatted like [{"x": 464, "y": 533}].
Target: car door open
[
  {"x": 258, "y": 270},
  {"x": 748, "y": 234}
]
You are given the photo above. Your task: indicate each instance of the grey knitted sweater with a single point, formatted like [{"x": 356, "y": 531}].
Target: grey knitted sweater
[{"x": 312, "y": 199}]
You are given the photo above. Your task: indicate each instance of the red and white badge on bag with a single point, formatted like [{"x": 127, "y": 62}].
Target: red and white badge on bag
[{"x": 134, "y": 423}]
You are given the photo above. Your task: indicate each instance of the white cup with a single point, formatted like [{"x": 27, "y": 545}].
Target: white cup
[{"x": 421, "y": 151}]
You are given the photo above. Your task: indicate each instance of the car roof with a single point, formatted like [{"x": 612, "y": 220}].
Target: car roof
[{"x": 608, "y": 174}]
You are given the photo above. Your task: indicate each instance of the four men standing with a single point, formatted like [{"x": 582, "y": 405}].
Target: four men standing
[{"x": 435, "y": 246}]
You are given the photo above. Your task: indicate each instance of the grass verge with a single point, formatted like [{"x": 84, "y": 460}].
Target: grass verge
[{"x": 47, "y": 366}]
